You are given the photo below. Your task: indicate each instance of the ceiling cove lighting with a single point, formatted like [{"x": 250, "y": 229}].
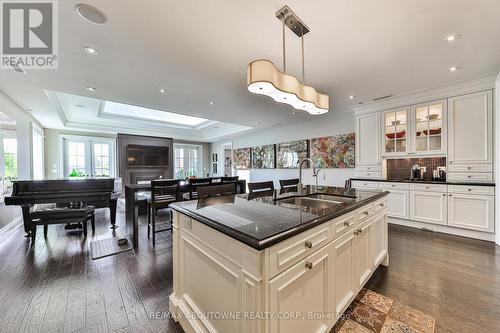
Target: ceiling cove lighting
[{"x": 264, "y": 78}]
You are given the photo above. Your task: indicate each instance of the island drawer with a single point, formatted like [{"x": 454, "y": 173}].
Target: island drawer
[
  {"x": 344, "y": 223},
  {"x": 364, "y": 213},
  {"x": 287, "y": 253},
  {"x": 394, "y": 186},
  {"x": 379, "y": 205}
]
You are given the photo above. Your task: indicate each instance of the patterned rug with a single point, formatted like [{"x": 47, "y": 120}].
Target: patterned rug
[{"x": 372, "y": 312}]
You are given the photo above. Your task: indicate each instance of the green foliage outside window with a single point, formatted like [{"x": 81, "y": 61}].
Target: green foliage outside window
[
  {"x": 10, "y": 165},
  {"x": 76, "y": 173}
]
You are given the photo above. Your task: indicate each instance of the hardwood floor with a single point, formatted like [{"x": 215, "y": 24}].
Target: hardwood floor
[
  {"x": 454, "y": 279},
  {"x": 54, "y": 286}
]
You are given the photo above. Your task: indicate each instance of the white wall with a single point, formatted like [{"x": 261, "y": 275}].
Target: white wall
[
  {"x": 497, "y": 159},
  {"x": 23, "y": 130},
  {"x": 333, "y": 123}
]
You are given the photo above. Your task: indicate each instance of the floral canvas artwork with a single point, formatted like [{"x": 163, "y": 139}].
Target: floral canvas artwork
[
  {"x": 241, "y": 158},
  {"x": 333, "y": 151},
  {"x": 263, "y": 157},
  {"x": 291, "y": 153}
]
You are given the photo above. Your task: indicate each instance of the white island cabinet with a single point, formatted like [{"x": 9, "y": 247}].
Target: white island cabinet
[{"x": 301, "y": 284}]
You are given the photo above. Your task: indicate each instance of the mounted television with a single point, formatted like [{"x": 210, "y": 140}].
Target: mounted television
[{"x": 147, "y": 156}]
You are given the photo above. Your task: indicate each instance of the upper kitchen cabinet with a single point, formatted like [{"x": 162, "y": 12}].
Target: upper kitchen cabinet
[
  {"x": 395, "y": 132},
  {"x": 470, "y": 134},
  {"x": 429, "y": 128},
  {"x": 367, "y": 140}
]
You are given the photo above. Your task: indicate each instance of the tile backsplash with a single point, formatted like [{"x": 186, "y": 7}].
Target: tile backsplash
[{"x": 399, "y": 169}]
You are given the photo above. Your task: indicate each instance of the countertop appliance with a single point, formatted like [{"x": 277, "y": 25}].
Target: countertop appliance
[{"x": 415, "y": 172}]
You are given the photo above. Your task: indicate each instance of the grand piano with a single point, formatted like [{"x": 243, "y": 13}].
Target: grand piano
[{"x": 98, "y": 192}]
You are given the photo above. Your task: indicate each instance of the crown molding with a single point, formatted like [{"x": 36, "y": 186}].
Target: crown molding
[{"x": 457, "y": 88}]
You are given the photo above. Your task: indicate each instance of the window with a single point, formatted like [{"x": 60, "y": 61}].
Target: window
[
  {"x": 37, "y": 153},
  {"x": 187, "y": 161},
  {"x": 10, "y": 157},
  {"x": 88, "y": 157}
]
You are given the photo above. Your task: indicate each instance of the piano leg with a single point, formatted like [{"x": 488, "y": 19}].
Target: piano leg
[
  {"x": 26, "y": 220},
  {"x": 112, "y": 212}
]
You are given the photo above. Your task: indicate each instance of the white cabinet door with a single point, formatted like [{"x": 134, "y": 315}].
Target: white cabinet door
[
  {"x": 428, "y": 207},
  {"x": 379, "y": 240},
  {"x": 395, "y": 134},
  {"x": 475, "y": 212},
  {"x": 398, "y": 204},
  {"x": 368, "y": 139},
  {"x": 428, "y": 131},
  {"x": 345, "y": 288},
  {"x": 363, "y": 253},
  {"x": 470, "y": 128},
  {"x": 303, "y": 288}
]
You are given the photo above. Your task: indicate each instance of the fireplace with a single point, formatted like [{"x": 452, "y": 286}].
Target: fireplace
[{"x": 144, "y": 158}]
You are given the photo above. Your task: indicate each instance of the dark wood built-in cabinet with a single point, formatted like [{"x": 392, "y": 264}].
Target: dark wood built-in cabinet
[{"x": 144, "y": 158}]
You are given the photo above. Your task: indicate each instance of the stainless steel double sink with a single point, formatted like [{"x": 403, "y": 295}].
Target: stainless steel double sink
[{"x": 318, "y": 201}]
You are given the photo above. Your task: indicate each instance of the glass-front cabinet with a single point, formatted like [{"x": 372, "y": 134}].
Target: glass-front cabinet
[
  {"x": 415, "y": 130},
  {"x": 395, "y": 132},
  {"x": 428, "y": 130}
]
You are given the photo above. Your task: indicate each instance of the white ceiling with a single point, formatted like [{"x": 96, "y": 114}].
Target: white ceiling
[{"x": 198, "y": 51}]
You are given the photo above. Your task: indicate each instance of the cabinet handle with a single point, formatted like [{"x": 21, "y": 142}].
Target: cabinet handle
[
  {"x": 393, "y": 185},
  {"x": 444, "y": 194},
  {"x": 308, "y": 244},
  {"x": 356, "y": 233},
  {"x": 360, "y": 231},
  {"x": 469, "y": 176},
  {"x": 347, "y": 224},
  {"x": 366, "y": 213},
  {"x": 469, "y": 189},
  {"x": 450, "y": 195},
  {"x": 427, "y": 187},
  {"x": 381, "y": 205},
  {"x": 468, "y": 168},
  {"x": 309, "y": 265}
]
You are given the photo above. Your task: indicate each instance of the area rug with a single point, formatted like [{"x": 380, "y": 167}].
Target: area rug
[
  {"x": 107, "y": 247},
  {"x": 371, "y": 312}
]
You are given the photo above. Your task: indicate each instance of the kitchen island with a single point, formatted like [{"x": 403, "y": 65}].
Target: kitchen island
[{"x": 288, "y": 262}]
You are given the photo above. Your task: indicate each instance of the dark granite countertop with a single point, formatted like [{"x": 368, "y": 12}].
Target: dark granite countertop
[
  {"x": 263, "y": 221},
  {"x": 423, "y": 181}
]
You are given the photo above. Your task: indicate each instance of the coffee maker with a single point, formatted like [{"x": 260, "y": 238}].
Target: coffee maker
[{"x": 415, "y": 172}]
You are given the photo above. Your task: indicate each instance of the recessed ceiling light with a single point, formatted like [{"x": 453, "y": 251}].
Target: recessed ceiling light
[
  {"x": 212, "y": 103},
  {"x": 90, "y": 50},
  {"x": 352, "y": 97},
  {"x": 451, "y": 38},
  {"x": 162, "y": 90},
  {"x": 453, "y": 69},
  {"x": 91, "y": 89},
  {"x": 90, "y": 13}
]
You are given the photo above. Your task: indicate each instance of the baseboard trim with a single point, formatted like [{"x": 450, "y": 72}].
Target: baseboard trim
[
  {"x": 444, "y": 229},
  {"x": 9, "y": 229}
]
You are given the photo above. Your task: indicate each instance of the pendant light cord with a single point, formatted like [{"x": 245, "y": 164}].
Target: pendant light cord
[
  {"x": 303, "y": 67},
  {"x": 284, "y": 55}
]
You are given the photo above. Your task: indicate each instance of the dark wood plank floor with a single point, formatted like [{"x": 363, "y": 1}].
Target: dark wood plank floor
[
  {"x": 54, "y": 286},
  {"x": 454, "y": 279}
]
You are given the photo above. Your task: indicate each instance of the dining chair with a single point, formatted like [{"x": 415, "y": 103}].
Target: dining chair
[
  {"x": 193, "y": 186},
  {"x": 216, "y": 190},
  {"x": 261, "y": 188},
  {"x": 163, "y": 193},
  {"x": 284, "y": 183}
]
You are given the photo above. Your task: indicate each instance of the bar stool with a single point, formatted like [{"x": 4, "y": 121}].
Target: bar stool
[{"x": 163, "y": 193}]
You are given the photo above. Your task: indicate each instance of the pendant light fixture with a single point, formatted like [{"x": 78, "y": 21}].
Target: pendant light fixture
[{"x": 265, "y": 79}]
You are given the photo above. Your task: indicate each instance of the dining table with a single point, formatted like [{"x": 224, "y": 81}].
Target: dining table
[{"x": 135, "y": 193}]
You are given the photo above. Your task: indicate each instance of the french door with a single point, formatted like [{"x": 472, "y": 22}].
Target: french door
[{"x": 84, "y": 157}]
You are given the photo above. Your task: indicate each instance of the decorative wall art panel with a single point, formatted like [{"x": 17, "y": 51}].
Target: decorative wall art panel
[
  {"x": 263, "y": 157},
  {"x": 333, "y": 151},
  {"x": 291, "y": 153},
  {"x": 241, "y": 158}
]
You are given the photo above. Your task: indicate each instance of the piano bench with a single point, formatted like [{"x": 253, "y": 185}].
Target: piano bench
[{"x": 61, "y": 215}]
